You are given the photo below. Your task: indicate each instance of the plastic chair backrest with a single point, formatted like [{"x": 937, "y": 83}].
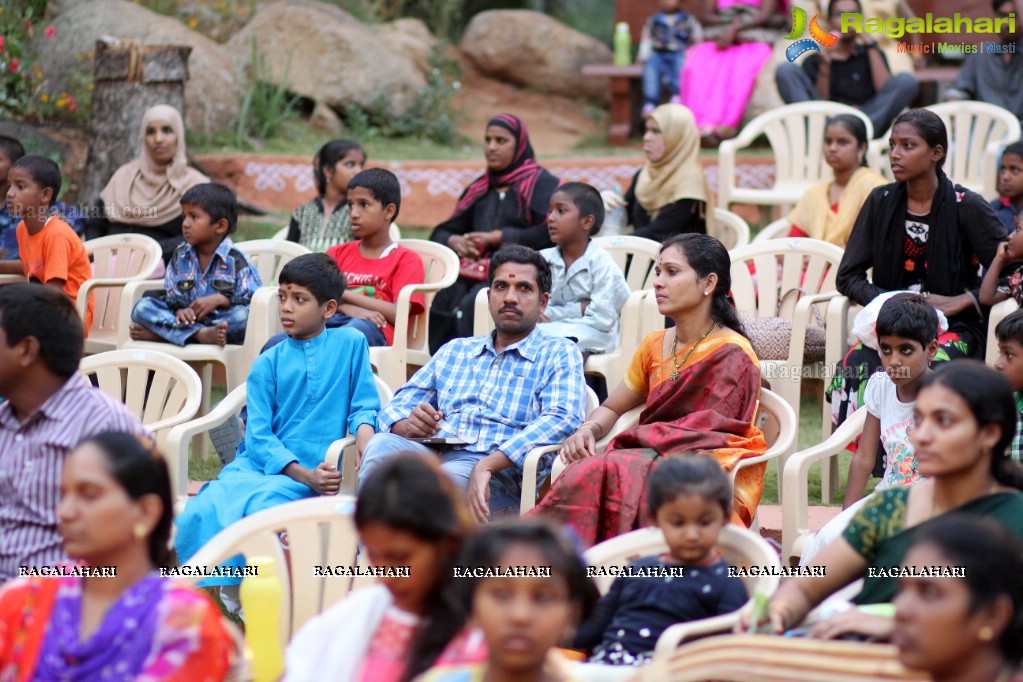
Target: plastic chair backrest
[
  {"x": 800, "y": 266},
  {"x": 634, "y": 256},
  {"x": 730, "y": 229},
  {"x": 269, "y": 256},
  {"x": 161, "y": 390}
]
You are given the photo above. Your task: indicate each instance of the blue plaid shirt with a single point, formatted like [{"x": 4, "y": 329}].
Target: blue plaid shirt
[
  {"x": 229, "y": 273},
  {"x": 530, "y": 394},
  {"x": 1016, "y": 447}
]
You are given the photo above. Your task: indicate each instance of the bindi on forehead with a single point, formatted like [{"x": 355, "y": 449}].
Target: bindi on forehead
[{"x": 511, "y": 275}]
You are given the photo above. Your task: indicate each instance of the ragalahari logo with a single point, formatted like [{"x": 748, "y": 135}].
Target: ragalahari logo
[{"x": 818, "y": 34}]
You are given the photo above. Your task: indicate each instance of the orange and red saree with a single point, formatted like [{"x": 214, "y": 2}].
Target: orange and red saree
[{"x": 709, "y": 409}]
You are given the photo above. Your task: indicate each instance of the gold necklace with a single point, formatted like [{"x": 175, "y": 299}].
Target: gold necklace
[{"x": 674, "y": 346}]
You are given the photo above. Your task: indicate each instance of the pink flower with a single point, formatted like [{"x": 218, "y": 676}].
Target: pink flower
[
  {"x": 14, "y": 65},
  {"x": 50, "y": 31},
  {"x": 1, "y": 42}
]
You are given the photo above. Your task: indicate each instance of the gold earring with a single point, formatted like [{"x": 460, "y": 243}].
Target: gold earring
[
  {"x": 139, "y": 530},
  {"x": 986, "y": 633}
]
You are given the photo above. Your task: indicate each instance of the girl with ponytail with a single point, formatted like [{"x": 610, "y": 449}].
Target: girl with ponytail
[{"x": 700, "y": 384}]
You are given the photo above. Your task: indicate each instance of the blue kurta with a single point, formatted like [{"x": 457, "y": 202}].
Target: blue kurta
[{"x": 302, "y": 396}]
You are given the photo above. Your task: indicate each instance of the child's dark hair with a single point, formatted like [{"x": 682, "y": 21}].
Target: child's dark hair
[
  {"x": 930, "y": 127},
  {"x": 215, "y": 199},
  {"x": 11, "y": 148},
  {"x": 382, "y": 184},
  {"x": 486, "y": 548},
  {"x": 909, "y": 316},
  {"x": 523, "y": 255},
  {"x": 1016, "y": 148},
  {"x": 994, "y": 560},
  {"x": 1010, "y": 328},
  {"x": 141, "y": 469},
  {"x": 587, "y": 199},
  {"x": 328, "y": 157},
  {"x": 988, "y": 396},
  {"x": 318, "y": 273},
  {"x": 855, "y": 126},
  {"x": 45, "y": 172},
  {"x": 688, "y": 475},
  {"x": 47, "y": 315},
  {"x": 705, "y": 254},
  {"x": 412, "y": 494}
]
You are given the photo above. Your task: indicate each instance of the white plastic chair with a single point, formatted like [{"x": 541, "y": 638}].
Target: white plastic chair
[
  {"x": 807, "y": 266},
  {"x": 795, "y": 484},
  {"x": 977, "y": 131},
  {"x": 116, "y": 260},
  {"x": 411, "y": 333},
  {"x": 740, "y": 547},
  {"x": 182, "y": 437},
  {"x": 394, "y": 232},
  {"x": 319, "y": 531},
  {"x": 159, "y": 389},
  {"x": 729, "y": 229},
  {"x": 796, "y": 135},
  {"x": 779, "y": 229},
  {"x": 634, "y": 256}
]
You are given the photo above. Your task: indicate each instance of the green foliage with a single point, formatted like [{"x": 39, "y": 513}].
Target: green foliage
[
  {"x": 266, "y": 106},
  {"x": 430, "y": 117}
]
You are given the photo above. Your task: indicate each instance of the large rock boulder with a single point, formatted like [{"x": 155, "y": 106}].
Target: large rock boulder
[
  {"x": 535, "y": 51},
  {"x": 316, "y": 55},
  {"x": 212, "y": 94}
]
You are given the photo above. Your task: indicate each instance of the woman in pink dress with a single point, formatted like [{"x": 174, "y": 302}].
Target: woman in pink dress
[{"x": 719, "y": 73}]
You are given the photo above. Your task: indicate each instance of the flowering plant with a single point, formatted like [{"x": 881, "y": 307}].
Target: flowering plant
[{"x": 18, "y": 75}]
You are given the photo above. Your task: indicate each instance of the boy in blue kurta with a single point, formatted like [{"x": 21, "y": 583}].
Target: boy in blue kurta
[{"x": 303, "y": 395}]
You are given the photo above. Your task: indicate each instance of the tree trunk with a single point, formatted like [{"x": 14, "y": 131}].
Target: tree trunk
[{"x": 129, "y": 79}]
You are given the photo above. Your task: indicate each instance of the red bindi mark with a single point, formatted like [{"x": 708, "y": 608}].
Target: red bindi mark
[{"x": 510, "y": 276}]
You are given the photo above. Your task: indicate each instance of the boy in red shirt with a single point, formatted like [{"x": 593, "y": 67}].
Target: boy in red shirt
[{"x": 49, "y": 250}]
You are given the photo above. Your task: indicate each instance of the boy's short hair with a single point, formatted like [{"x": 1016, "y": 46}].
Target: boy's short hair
[
  {"x": 11, "y": 148},
  {"x": 688, "y": 475},
  {"x": 1016, "y": 148},
  {"x": 1010, "y": 328},
  {"x": 318, "y": 273},
  {"x": 217, "y": 200},
  {"x": 45, "y": 172},
  {"x": 587, "y": 199},
  {"x": 47, "y": 315},
  {"x": 382, "y": 184},
  {"x": 909, "y": 316},
  {"x": 517, "y": 253}
]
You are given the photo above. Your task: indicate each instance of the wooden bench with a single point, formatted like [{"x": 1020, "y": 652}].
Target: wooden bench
[{"x": 625, "y": 81}]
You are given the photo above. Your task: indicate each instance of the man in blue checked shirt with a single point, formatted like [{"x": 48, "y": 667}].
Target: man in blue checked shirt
[{"x": 482, "y": 403}]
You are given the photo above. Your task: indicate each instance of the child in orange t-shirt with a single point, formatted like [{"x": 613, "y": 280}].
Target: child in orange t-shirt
[{"x": 50, "y": 251}]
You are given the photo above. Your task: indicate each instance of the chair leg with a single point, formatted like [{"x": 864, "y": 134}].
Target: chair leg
[
  {"x": 830, "y": 475},
  {"x": 790, "y": 393},
  {"x": 200, "y": 443}
]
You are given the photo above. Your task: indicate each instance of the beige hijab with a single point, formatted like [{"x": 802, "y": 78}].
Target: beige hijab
[
  {"x": 138, "y": 193},
  {"x": 678, "y": 174}
]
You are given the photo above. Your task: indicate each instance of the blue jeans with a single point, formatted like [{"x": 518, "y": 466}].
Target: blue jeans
[
  {"x": 505, "y": 485},
  {"x": 660, "y": 68},
  {"x": 374, "y": 335},
  {"x": 153, "y": 313}
]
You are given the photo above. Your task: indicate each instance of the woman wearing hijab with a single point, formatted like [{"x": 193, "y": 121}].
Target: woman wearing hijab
[
  {"x": 144, "y": 195},
  {"x": 506, "y": 205},
  {"x": 669, "y": 195}
]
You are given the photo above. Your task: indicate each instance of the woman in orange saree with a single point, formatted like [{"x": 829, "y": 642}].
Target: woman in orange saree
[{"x": 700, "y": 383}]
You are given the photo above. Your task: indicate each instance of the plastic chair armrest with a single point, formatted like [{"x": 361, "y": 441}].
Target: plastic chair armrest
[
  {"x": 529, "y": 468},
  {"x": 801, "y": 320},
  {"x": 131, "y": 295},
  {"x": 671, "y": 638},
  {"x": 180, "y": 436},
  {"x": 795, "y": 478}
]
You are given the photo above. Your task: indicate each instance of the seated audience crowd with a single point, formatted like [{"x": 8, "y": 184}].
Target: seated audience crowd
[{"x": 935, "y": 479}]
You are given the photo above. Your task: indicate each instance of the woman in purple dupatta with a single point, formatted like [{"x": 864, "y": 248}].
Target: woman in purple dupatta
[
  {"x": 700, "y": 382},
  {"x": 111, "y": 617}
]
